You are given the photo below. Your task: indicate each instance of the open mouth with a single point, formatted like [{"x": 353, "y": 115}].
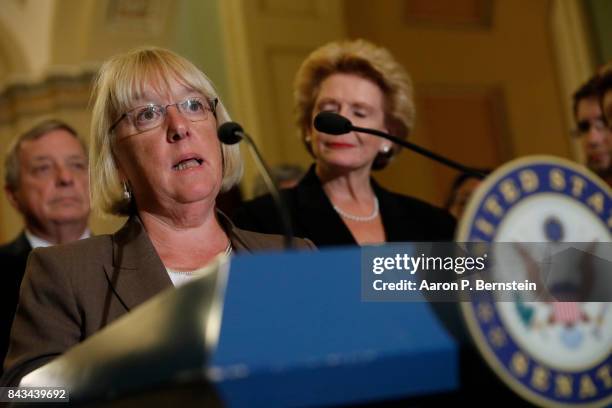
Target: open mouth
[{"x": 187, "y": 164}]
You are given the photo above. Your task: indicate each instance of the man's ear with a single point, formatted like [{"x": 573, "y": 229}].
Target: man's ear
[{"x": 12, "y": 197}]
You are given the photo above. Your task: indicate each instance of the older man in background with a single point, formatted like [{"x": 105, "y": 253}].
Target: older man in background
[
  {"x": 46, "y": 181},
  {"x": 591, "y": 129}
]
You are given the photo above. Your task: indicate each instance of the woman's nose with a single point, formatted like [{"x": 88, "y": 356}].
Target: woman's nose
[
  {"x": 344, "y": 111},
  {"x": 178, "y": 126}
]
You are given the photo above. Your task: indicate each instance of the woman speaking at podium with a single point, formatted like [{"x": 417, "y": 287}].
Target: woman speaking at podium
[
  {"x": 156, "y": 158},
  {"x": 337, "y": 202}
]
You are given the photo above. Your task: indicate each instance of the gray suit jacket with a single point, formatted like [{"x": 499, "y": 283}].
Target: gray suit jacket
[{"x": 71, "y": 291}]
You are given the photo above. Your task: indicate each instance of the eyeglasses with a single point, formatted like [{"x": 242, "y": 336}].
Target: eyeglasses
[
  {"x": 584, "y": 126},
  {"x": 150, "y": 116}
]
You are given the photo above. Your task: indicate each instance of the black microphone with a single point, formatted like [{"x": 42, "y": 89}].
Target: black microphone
[
  {"x": 334, "y": 124},
  {"x": 231, "y": 133}
]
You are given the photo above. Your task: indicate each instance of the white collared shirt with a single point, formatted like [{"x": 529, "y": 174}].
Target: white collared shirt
[{"x": 36, "y": 242}]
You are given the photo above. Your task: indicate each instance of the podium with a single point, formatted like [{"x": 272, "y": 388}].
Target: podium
[{"x": 293, "y": 332}]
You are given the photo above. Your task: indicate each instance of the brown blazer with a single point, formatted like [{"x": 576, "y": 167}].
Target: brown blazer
[{"x": 71, "y": 291}]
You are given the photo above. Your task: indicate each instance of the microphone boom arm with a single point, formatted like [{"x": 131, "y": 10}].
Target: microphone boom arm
[
  {"x": 274, "y": 191},
  {"x": 421, "y": 150}
]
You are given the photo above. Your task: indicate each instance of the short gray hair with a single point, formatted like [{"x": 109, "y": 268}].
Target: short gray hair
[{"x": 11, "y": 161}]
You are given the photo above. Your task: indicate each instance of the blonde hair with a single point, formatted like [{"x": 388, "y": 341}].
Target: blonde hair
[
  {"x": 119, "y": 82},
  {"x": 362, "y": 58}
]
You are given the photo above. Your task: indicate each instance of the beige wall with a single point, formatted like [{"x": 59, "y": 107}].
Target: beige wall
[{"x": 33, "y": 43}]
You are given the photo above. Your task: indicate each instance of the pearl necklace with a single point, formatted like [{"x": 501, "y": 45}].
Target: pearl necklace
[{"x": 359, "y": 218}]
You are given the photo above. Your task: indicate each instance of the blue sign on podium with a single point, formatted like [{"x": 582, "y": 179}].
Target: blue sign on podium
[{"x": 296, "y": 332}]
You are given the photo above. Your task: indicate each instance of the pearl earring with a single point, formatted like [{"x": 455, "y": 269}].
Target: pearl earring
[{"x": 127, "y": 194}]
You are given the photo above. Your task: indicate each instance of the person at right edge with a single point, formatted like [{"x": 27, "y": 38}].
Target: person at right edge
[
  {"x": 591, "y": 130},
  {"x": 338, "y": 203}
]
